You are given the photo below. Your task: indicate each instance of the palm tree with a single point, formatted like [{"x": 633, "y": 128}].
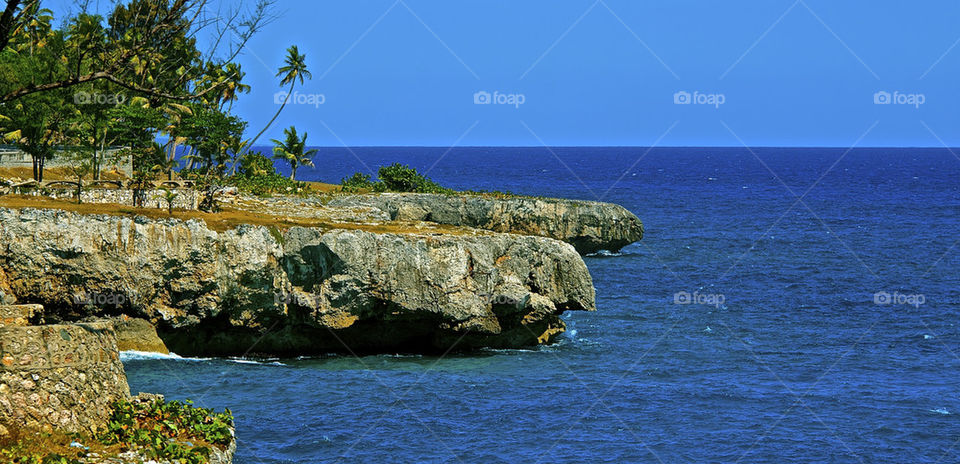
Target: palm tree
[
  {"x": 294, "y": 68},
  {"x": 169, "y": 196},
  {"x": 234, "y": 86},
  {"x": 291, "y": 150}
]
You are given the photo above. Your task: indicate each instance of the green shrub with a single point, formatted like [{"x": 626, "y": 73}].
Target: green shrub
[
  {"x": 159, "y": 428},
  {"x": 402, "y": 178},
  {"x": 163, "y": 431},
  {"x": 255, "y": 165},
  {"x": 257, "y": 175},
  {"x": 357, "y": 182},
  {"x": 393, "y": 178}
]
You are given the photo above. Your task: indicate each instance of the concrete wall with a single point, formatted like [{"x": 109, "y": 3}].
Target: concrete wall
[
  {"x": 13, "y": 158},
  {"x": 186, "y": 198},
  {"x": 63, "y": 377}
]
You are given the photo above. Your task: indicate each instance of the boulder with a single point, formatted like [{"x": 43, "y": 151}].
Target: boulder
[{"x": 135, "y": 334}]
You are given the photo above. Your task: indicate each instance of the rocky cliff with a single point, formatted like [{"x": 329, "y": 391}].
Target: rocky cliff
[
  {"x": 587, "y": 225},
  {"x": 254, "y": 289}
]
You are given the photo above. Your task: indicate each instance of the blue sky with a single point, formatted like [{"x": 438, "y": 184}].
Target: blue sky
[{"x": 608, "y": 72}]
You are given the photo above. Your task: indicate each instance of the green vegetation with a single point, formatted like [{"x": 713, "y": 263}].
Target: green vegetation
[
  {"x": 256, "y": 175},
  {"x": 169, "y": 196},
  {"x": 135, "y": 75},
  {"x": 393, "y": 178},
  {"x": 165, "y": 431},
  {"x": 291, "y": 150},
  {"x": 358, "y": 182}
]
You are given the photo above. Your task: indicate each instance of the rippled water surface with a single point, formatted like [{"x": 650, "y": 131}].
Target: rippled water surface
[{"x": 798, "y": 363}]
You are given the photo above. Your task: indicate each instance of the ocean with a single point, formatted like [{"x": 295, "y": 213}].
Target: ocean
[{"x": 785, "y": 305}]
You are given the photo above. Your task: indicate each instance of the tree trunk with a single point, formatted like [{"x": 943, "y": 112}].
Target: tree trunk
[
  {"x": 190, "y": 159},
  {"x": 171, "y": 155},
  {"x": 98, "y": 158},
  {"x": 37, "y": 167},
  {"x": 236, "y": 160},
  {"x": 254, "y": 140}
]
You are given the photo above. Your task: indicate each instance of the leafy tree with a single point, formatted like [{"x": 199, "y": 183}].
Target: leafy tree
[
  {"x": 291, "y": 150},
  {"x": 208, "y": 132},
  {"x": 37, "y": 125},
  {"x": 235, "y": 147},
  {"x": 149, "y": 47},
  {"x": 80, "y": 168},
  {"x": 255, "y": 164}
]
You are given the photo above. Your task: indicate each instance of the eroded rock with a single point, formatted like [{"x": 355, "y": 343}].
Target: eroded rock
[
  {"x": 588, "y": 225},
  {"x": 247, "y": 290}
]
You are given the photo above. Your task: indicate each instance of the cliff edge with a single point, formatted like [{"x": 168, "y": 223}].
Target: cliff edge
[
  {"x": 589, "y": 226},
  {"x": 305, "y": 290}
]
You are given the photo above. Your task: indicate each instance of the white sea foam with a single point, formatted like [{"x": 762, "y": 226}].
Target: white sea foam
[
  {"x": 255, "y": 362},
  {"x": 941, "y": 411},
  {"x": 605, "y": 253},
  {"x": 134, "y": 355}
]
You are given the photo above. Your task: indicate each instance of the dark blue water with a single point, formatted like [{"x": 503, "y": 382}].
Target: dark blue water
[{"x": 797, "y": 364}]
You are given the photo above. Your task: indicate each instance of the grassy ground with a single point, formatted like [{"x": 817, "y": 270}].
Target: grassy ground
[
  {"x": 227, "y": 219},
  {"x": 55, "y": 174},
  {"x": 322, "y": 187},
  {"x": 64, "y": 174}
]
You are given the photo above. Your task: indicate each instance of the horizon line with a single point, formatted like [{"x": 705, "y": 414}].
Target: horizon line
[{"x": 635, "y": 146}]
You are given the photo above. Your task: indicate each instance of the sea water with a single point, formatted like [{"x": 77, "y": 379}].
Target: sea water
[{"x": 820, "y": 350}]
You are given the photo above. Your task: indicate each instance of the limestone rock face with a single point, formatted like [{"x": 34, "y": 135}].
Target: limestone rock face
[
  {"x": 588, "y": 225},
  {"x": 134, "y": 334},
  {"x": 306, "y": 291}
]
